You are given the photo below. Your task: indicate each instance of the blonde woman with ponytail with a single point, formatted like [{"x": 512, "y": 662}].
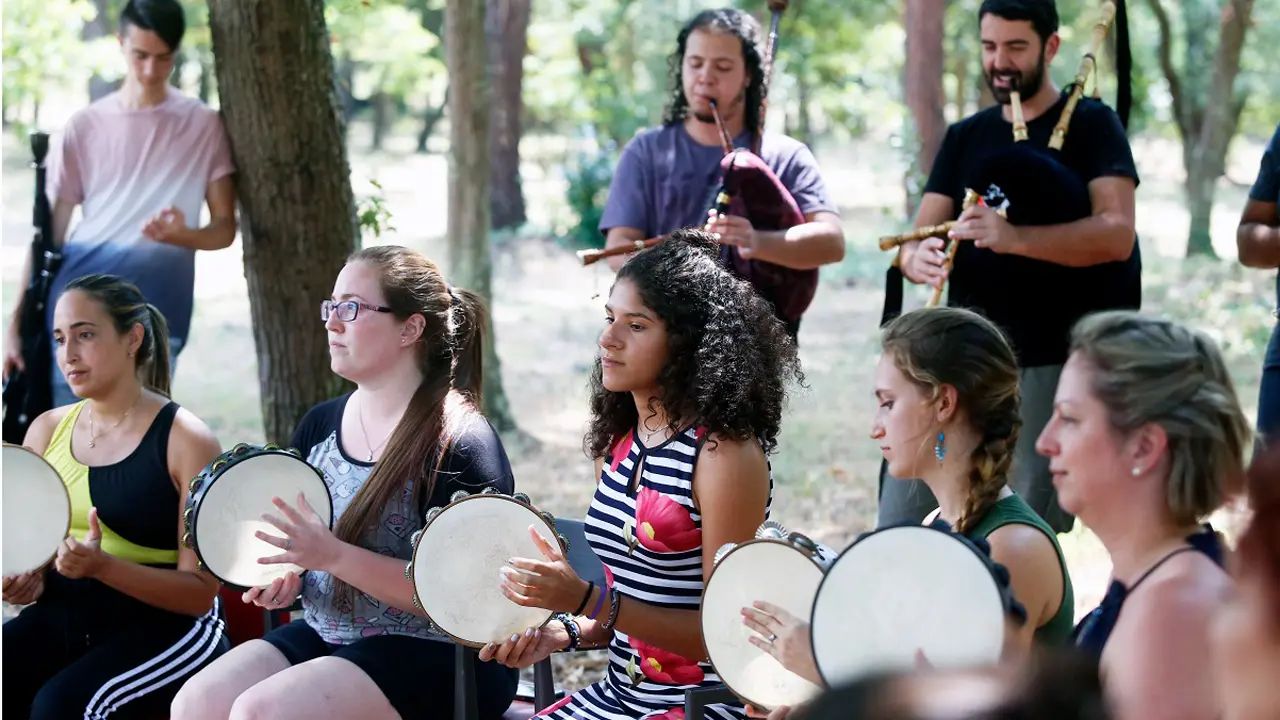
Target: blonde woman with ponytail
[
  {"x": 121, "y": 617},
  {"x": 409, "y": 436}
]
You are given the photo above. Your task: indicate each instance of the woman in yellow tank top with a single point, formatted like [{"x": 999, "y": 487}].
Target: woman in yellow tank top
[{"x": 122, "y": 616}]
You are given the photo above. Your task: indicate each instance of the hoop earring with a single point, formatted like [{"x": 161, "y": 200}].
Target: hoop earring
[{"x": 940, "y": 447}]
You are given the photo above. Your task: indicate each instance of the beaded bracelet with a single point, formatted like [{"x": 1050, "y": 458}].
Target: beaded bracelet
[
  {"x": 571, "y": 627},
  {"x": 613, "y": 611}
]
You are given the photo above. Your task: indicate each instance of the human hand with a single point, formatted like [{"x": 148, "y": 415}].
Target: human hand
[
  {"x": 279, "y": 595},
  {"x": 531, "y": 648},
  {"x": 783, "y": 636},
  {"x": 550, "y": 584},
  {"x": 81, "y": 559},
  {"x": 308, "y": 542},
  {"x": 986, "y": 228},
  {"x": 736, "y": 231},
  {"x": 165, "y": 225},
  {"x": 24, "y": 588},
  {"x": 926, "y": 264},
  {"x": 779, "y": 713},
  {"x": 12, "y": 349}
]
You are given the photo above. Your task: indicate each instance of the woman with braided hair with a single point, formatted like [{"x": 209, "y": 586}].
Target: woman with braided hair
[
  {"x": 947, "y": 388},
  {"x": 1148, "y": 439}
]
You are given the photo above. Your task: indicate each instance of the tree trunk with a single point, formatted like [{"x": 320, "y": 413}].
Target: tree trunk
[
  {"x": 925, "y": 22},
  {"x": 471, "y": 264},
  {"x": 382, "y": 112},
  {"x": 298, "y": 216},
  {"x": 506, "y": 30},
  {"x": 430, "y": 118},
  {"x": 1206, "y": 105}
]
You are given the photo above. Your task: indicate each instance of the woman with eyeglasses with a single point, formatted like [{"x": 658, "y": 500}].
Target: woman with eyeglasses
[{"x": 407, "y": 438}]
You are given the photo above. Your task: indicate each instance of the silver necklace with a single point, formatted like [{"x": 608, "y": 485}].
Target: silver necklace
[{"x": 372, "y": 449}]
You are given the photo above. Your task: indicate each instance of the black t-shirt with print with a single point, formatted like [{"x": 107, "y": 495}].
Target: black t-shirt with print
[{"x": 1034, "y": 301}]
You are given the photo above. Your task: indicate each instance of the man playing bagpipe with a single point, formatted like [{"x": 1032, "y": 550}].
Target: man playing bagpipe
[
  {"x": 669, "y": 177},
  {"x": 1068, "y": 247}
]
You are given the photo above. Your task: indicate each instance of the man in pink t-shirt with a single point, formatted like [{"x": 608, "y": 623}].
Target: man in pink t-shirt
[{"x": 141, "y": 162}]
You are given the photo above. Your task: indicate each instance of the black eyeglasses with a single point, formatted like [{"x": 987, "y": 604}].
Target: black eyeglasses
[{"x": 347, "y": 310}]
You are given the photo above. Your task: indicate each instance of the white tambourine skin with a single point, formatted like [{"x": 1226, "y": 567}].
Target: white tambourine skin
[
  {"x": 227, "y": 505},
  {"x": 36, "y": 508},
  {"x": 457, "y": 562},
  {"x": 901, "y": 590},
  {"x": 768, "y": 570}
]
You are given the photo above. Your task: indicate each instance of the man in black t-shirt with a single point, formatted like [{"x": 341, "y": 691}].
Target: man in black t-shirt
[{"x": 1033, "y": 280}]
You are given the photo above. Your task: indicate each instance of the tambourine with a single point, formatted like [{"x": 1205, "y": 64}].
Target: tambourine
[
  {"x": 777, "y": 567},
  {"x": 37, "y": 511},
  {"x": 225, "y": 504},
  {"x": 457, "y": 560},
  {"x": 906, "y": 589}
]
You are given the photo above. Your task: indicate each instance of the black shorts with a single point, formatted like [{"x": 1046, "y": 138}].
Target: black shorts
[{"x": 416, "y": 675}]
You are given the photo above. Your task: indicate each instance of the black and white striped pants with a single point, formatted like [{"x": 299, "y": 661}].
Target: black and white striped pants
[{"x": 85, "y": 651}]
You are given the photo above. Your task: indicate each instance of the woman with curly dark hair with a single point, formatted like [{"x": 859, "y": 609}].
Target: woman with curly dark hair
[{"x": 687, "y": 400}]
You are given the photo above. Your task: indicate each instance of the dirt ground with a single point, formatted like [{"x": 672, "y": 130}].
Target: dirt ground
[{"x": 548, "y": 310}]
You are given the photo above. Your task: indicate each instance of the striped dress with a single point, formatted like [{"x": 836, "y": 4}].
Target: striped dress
[{"x": 650, "y": 542}]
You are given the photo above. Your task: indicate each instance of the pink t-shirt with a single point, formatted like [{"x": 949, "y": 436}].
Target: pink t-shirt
[{"x": 125, "y": 165}]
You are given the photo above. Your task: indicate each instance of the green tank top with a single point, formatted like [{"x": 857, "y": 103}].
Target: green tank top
[{"x": 1014, "y": 509}]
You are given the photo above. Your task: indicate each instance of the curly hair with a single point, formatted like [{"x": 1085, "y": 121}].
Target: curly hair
[
  {"x": 952, "y": 346},
  {"x": 1150, "y": 370},
  {"x": 751, "y": 36},
  {"x": 728, "y": 354}
]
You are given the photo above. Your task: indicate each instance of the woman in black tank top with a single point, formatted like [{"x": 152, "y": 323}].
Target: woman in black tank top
[
  {"x": 121, "y": 617},
  {"x": 1146, "y": 440}
]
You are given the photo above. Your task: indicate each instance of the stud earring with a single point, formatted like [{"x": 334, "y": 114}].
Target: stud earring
[
  {"x": 940, "y": 447},
  {"x": 1137, "y": 471}
]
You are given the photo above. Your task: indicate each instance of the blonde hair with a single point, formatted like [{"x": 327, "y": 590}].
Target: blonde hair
[
  {"x": 1149, "y": 370},
  {"x": 952, "y": 346}
]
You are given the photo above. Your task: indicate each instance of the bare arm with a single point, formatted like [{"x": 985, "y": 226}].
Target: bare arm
[
  {"x": 184, "y": 590},
  {"x": 817, "y": 242},
  {"x": 621, "y": 237},
  {"x": 935, "y": 209},
  {"x": 1105, "y": 236},
  {"x": 1258, "y": 236},
  {"x": 731, "y": 489},
  {"x": 378, "y": 575},
  {"x": 1035, "y": 574},
  {"x": 221, "y": 230}
]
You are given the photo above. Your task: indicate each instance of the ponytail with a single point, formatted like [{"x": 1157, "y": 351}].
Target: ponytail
[
  {"x": 154, "y": 355},
  {"x": 468, "y": 331}
]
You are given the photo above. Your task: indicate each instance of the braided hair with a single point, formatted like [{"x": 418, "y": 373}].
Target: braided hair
[{"x": 941, "y": 346}]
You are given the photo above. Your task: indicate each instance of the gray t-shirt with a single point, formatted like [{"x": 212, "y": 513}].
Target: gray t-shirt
[
  {"x": 665, "y": 179},
  {"x": 474, "y": 460}
]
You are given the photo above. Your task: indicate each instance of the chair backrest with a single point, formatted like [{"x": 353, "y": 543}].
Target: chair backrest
[{"x": 582, "y": 558}]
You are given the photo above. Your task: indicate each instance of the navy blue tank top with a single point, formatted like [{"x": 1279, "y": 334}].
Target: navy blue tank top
[{"x": 1093, "y": 630}]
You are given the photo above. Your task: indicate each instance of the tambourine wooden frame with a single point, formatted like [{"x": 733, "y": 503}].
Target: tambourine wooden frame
[
  {"x": 67, "y": 529},
  {"x": 200, "y": 484},
  {"x": 810, "y": 555},
  {"x": 987, "y": 562},
  {"x": 547, "y": 519}
]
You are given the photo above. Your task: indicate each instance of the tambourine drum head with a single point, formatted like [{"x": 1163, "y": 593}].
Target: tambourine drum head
[
  {"x": 457, "y": 568},
  {"x": 900, "y": 590},
  {"x": 37, "y": 511},
  {"x": 776, "y": 573},
  {"x": 232, "y": 507}
]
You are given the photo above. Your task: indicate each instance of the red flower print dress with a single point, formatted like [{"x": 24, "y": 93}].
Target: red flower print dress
[{"x": 650, "y": 542}]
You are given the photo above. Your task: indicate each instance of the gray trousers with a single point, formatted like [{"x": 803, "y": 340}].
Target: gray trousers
[{"x": 904, "y": 501}]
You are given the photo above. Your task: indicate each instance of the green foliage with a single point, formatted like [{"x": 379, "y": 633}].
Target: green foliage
[
  {"x": 372, "y": 213},
  {"x": 588, "y": 176},
  {"x": 43, "y": 52},
  {"x": 394, "y": 53}
]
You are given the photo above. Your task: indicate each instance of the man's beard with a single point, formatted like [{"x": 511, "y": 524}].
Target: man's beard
[
  {"x": 734, "y": 105},
  {"x": 1026, "y": 86}
]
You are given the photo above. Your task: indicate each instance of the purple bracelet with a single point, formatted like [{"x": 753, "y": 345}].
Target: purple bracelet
[{"x": 599, "y": 603}]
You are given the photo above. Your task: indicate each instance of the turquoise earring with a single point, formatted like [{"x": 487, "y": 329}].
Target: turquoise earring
[{"x": 940, "y": 447}]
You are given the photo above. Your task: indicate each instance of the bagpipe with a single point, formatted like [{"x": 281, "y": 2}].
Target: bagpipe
[
  {"x": 1028, "y": 184},
  {"x": 28, "y": 392},
  {"x": 749, "y": 188}
]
